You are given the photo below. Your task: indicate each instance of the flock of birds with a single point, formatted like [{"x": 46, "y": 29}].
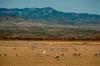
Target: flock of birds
[{"x": 57, "y": 56}]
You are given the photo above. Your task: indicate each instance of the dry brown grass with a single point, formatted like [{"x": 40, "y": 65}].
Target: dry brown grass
[{"x": 30, "y": 53}]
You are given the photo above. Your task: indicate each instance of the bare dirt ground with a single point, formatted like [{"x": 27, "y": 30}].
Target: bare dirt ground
[{"x": 49, "y": 53}]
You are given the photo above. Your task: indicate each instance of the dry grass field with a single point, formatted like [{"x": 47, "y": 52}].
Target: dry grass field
[{"x": 49, "y": 53}]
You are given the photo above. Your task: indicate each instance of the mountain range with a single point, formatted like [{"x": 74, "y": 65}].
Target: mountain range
[
  {"x": 48, "y": 23},
  {"x": 48, "y": 14}
]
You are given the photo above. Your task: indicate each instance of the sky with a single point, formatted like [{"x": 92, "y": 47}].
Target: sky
[{"x": 77, "y": 6}]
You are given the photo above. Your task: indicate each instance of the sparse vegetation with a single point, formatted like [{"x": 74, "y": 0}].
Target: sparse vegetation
[
  {"x": 43, "y": 55},
  {"x": 39, "y": 33}
]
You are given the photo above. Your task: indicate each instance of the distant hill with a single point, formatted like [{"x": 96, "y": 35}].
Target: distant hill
[
  {"x": 49, "y": 14},
  {"x": 48, "y": 24}
]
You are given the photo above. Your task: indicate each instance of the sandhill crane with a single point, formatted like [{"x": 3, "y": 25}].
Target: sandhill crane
[
  {"x": 16, "y": 54},
  {"x": 44, "y": 52},
  {"x": 59, "y": 57},
  {"x": 77, "y": 54},
  {"x": 5, "y": 55},
  {"x": 97, "y": 54}
]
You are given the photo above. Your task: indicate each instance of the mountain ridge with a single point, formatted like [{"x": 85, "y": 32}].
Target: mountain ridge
[
  {"x": 48, "y": 24},
  {"x": 49, "y": 14}
]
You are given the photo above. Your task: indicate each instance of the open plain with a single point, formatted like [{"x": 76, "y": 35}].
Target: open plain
[{"x": 49, "y": 53}]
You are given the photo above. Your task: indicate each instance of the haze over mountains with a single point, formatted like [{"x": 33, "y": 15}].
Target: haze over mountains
[
  {"x": 48, "y": 23},
  {"x": 49, "y": 14}
]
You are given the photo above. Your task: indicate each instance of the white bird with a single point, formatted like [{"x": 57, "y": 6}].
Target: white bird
[{"x": 44, "y": 52}]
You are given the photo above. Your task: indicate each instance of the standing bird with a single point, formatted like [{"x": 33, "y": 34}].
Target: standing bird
[{"x": 44, "y": 52}]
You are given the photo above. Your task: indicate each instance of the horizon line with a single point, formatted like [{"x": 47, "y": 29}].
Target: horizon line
[{"x": 51, "y": 8}]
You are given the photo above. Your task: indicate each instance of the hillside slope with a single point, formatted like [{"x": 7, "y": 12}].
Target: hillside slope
[{"x": 48, "y": 24}]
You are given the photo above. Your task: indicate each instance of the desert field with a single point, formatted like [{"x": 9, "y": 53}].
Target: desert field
[{"x": 49, "y": 53}]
